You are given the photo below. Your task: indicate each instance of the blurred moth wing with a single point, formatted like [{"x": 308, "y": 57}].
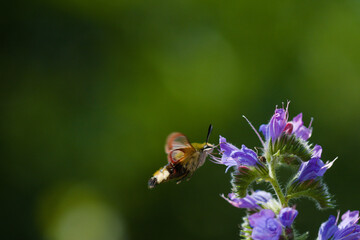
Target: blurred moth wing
[
  {"x": 175, "y": 141},
  {"x": 183, "y": 159}
]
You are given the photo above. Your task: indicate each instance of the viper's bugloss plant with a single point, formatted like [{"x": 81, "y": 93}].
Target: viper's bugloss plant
[{"x": 271, "y": 215}]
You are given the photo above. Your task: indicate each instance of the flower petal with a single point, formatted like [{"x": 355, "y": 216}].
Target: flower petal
[
  {"x": 261, "y": 196},
  {"x": 287, "y": 216},
  {"x": 317, "y": 151},
  {"x": 349, "y": 219},
  {"x": 303, "y": 132},
  {"x": 276, "y": 125},
  {"x": 246, "y": 202},
  {"x": 264, "y": 128},
  {"x": 348, "y": 233},
  {"x": 297, "y": 122},
  {"x": 259, "y": 219},
  {"x": 327, "y": 229},
  {"x": 265, "y": 225},
  {"x": 312, "y": 169},
  {"x": 245, "y": 157}
]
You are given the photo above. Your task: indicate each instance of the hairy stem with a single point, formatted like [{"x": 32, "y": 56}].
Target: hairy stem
[{"x": 275, "y": 183}]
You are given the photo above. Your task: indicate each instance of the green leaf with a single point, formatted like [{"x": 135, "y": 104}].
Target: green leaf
[
  {"x": 313, "y": 189},
  {"x": 243, "y": 177},
  {"x": 303, "y": 236},
  {"x": 245, "y": 229},
  {"x": 291, "y": 149}
]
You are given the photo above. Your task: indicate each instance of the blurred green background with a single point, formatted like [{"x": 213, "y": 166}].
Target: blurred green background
[{"x": 91, "y": 89}]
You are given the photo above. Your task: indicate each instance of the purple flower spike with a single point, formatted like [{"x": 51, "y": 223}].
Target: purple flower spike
[
  {"x": 232, "y": 156},
  {"x": 250, "y": 201},
  {"x": 299, "y": 129},
  {"x": 265, "y": 225},
  {"x": 327, "y": 229},
  {"x": 312, "y": 169},
  {"x": 287, "y": 216},
  {"x": 276, "y": 125}
]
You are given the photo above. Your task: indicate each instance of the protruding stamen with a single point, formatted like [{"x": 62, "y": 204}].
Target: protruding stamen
[
  {"x": 256, "y": 132},
  {"x": 311, "y": 120}
]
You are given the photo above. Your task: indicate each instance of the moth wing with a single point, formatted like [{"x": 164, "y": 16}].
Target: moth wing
[
  {"x": 176, "y": 141},
  {"x": 176, "y": 156},
  {"x": 180, "y": 155}
]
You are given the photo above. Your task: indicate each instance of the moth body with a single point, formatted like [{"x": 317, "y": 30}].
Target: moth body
[{"x": 183, "y": 159}]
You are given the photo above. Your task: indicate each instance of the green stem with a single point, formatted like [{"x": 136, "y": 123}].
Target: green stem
[
  {"x": 278, "y": 191},
  {"x": 274, "y": 182}
]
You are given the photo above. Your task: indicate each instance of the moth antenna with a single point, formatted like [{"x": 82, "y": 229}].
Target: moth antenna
[
  {"x": 209, "y": 132},
  {"x": 256, "y": 132}
]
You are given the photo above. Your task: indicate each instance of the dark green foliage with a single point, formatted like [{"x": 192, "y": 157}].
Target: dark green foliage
[{"x": 314, "y": 189}]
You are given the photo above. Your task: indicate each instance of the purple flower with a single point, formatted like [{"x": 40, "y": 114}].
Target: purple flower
[
  {"x": 246, "y": 202},
  {"x": 349, "y": 233},
  {"x": 232, "y": 156},
  {"x": 227, "y": 149},
  {"x": 276, "y": 125},
  {"x": 349, "y": 219},
  {"x": 250, "y": 201},
  {"x": 261, "y": 196},
  {"x": 265, "y": 225},
  {"x": 346, "y": 230},
  {"x": 299, "y": 129},
  {"x": 317, "y": 150},
  {"x": 312, "y": 169},
  {"x": 279, "y": 124},
  {"x": 245, "y": 157},
  {"x": 287, "y": 216}
]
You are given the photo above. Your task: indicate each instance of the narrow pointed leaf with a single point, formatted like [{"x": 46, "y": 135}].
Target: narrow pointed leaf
[
  {"x": 313, "y": 189},
  {"x": 245, "y": 229},
  {"x": 244, "y": 177},
  {"x": 303, "y": 236}
]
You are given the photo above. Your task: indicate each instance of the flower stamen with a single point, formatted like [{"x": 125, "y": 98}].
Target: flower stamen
[{"x": 256, "y": 132}]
